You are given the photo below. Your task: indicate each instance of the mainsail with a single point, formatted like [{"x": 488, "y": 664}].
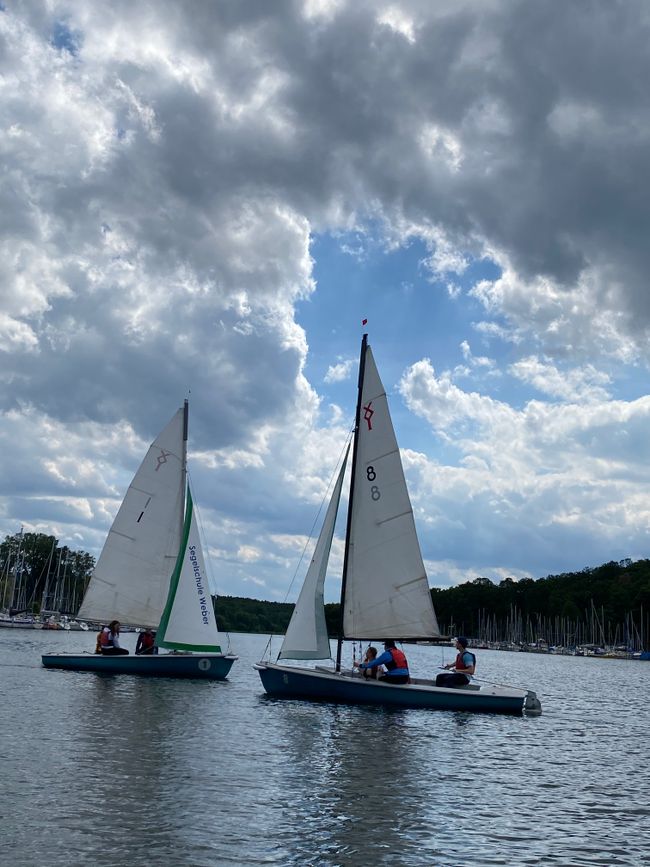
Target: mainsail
[
  {"x": 386, "y": 589},
  {"x": 131, "y": 579},
  {"x": 306, "y": 636}
]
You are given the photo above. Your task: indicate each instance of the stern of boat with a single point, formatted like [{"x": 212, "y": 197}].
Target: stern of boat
[{"x": 532, "y": 705}]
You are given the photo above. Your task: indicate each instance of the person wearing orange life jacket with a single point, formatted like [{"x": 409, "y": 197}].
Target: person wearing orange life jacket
[
  {"x": 110, "y": 640},
  {"x": 395, "y": 662},
  {"x": 463, "y": 666}
]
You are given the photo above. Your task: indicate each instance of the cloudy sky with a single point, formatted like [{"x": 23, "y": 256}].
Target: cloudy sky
[{"x": 207, "y": 198}]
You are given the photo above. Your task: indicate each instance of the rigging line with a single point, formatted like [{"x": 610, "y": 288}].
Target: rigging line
[
  {"x": 320, "y": 509},
  {"x": 494, "y": 683},
  {"x": 311, "y": 532}
]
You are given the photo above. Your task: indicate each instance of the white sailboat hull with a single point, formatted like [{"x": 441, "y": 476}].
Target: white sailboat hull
[{"x": 320, "y": 684}]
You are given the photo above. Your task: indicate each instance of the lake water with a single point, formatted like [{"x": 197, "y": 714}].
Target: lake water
[{"x": 107, "y": 770}]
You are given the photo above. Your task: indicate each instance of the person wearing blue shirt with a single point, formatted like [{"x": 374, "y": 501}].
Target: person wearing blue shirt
[
  {"x": 463, "y": 666},
  {"x": 397, "y": 669}
]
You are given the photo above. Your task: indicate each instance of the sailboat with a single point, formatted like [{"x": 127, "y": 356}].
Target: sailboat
[
  {"x": 384, "y": 589},
  {"x": 151, "y": 573}
]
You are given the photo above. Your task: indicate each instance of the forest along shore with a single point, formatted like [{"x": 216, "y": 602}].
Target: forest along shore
[{"x": 601, "y": 611}]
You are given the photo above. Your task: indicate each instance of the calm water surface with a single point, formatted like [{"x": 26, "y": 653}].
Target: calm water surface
[{"x": 129, "y": 771}]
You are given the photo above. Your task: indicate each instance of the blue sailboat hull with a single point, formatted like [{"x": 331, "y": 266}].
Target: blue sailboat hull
[
  {"x": 206, "y": 666},
  {"x": 319, "y": 685}
]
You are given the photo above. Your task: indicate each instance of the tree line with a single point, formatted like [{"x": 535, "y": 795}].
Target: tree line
[
  {"x": 606, "y": 604},
  {"x": 37, "y": 575}
]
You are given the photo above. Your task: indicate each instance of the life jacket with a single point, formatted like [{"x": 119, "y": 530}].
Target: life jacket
[
  {"x": 398, "y": 660},
  {"x": 459, "y": 665},
  {"x": 145, "y": 641},
  {"x": 106, "y": 638}
]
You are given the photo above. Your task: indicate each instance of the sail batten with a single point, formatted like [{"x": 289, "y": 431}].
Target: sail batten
[{"x": 393, "y": 518}]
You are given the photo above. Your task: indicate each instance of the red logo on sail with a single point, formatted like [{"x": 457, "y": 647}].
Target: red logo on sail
[
  {"x": 368, "y": 413},
  {"x": 161, "y": 459}
]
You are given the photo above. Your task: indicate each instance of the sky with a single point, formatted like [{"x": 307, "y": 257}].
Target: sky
[{"x": 204, "y": 200}]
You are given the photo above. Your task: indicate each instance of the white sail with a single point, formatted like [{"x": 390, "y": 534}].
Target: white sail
[
  {"x": 306, "y": 636},
  {"x": 131, "y": 579},
  {"x": 188, "y": 621},
  {"x": 386, "y": 592}
]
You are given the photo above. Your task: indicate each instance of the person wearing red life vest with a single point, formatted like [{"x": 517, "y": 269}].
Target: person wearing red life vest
[
  {"x": 110, "y": 640},
  {"x": 146, "y": 643},
  {"x": 397, "y": 668},
  {"x": 463, "y": 666}
]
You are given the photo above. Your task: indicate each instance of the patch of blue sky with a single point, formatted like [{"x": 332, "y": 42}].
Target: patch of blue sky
[
  {"x": 411, "y": 316},
  {"x": 631, "y": 382},
  {"x": 66, "y": 39}
]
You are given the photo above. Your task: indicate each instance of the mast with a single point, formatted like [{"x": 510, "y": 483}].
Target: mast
[
  {"x": 362, "y": 367},
  {"x": 48, "y": 567},
  {"x": 186, "y": 415},
  {"x": 13, "y": 603}
]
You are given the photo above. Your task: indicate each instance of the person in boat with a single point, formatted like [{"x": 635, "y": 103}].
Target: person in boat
[
  {"x": 371, "y": 655},
  {"x": 110, "y": 640},
  {"x": 463, "y": 666},
  {"x": 145, "y": 644},
  {"x": 397, "y": 668}
]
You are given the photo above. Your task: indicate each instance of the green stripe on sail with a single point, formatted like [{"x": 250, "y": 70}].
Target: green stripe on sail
[
  {"x": 173, "y": 588},
  {"x": 176, "y": 575},
  {"x": 201, "y": 648}
]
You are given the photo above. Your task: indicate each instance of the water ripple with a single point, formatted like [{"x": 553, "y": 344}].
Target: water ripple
[{"x": 134, "y": 771}]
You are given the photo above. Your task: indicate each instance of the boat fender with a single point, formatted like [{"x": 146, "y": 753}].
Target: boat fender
[{"x": 532, "y": 705}]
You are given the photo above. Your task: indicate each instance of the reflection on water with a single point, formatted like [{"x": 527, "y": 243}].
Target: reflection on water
[{"x": 118, "y": 770}]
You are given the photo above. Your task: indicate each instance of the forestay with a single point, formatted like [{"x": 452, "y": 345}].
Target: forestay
[{"x": 387, "y": 593}]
